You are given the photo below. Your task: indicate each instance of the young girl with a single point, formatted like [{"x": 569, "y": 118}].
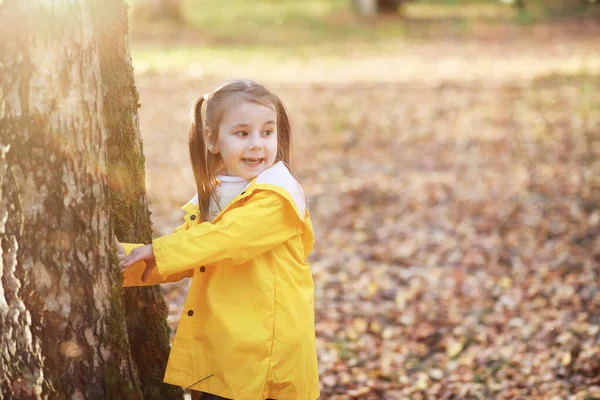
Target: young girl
[{"x": 247, "y": 327}]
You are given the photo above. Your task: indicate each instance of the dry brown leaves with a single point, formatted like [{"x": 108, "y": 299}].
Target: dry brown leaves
[{"x": 458, "y": 240}]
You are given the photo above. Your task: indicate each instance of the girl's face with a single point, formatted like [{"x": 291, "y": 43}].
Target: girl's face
[{"x": 246, "y": 139}]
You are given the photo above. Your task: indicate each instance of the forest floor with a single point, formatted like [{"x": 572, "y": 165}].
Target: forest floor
[{"x": 453, "y": 182}]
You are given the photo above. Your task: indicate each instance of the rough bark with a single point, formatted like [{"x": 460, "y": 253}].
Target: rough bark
[
  {"x": 146, "y": 310},
  {"x": 66, "y": 97}
]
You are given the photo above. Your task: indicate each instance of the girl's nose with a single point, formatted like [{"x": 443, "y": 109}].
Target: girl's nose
[{"x": 254, "y": 143}]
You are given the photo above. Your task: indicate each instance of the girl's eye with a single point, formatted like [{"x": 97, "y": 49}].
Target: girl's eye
[
  {"x": 242, "y": 133},
  {"x": 267, "y": 132}
]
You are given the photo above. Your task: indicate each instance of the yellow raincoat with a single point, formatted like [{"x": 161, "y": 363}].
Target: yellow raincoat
[{"x": 248, "y": 321}]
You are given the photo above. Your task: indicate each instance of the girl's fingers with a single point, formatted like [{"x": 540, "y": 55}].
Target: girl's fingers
[
  {"x": 126, "y": 261},
  {"x": 129, "y": 260},
  {"x": 137, "y": 254},
  {"x": 133, "y": 257}
]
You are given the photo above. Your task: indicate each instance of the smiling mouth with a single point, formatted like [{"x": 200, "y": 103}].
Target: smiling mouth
[{"x": 252, "y": 161}]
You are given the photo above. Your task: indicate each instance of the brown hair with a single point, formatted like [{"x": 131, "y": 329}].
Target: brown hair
[{"x": 206, "y": 164}]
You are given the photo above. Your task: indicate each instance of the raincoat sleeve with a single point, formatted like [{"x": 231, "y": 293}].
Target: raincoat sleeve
[
  {"x": 266, "y": 220},
  {"x": 133, "y": 275}
]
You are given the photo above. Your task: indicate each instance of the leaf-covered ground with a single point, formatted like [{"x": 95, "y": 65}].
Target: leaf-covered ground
[{"x": 457, "y": 218}]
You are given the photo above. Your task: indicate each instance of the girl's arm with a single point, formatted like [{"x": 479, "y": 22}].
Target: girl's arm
[
  {"x": 263, "y": 222},
  {"x": 143, "y": 272}
]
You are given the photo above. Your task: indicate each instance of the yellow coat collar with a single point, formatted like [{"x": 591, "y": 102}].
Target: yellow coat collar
[{"x": 276, "y": 178}]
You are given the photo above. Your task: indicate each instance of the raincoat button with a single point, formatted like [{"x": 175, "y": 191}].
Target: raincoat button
[
  {"x": 190, "y": 313},
  {"x": 202, "y": 269},
  {"x": 193, "y": 217}
]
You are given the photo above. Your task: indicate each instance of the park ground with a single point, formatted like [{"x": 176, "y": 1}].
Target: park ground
[{"x": 450, "y": 162}]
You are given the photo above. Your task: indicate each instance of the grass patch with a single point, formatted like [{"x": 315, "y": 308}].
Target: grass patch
[
  {"x": 196, "y": 59},
  {"x": 241, "y": 37},
  {"x": 539, "y": 11},
  {"x": 312, "y": 22},
  {"x": 452, "y": 10},
  {"x": 273, "y": 23},
  {"x": 294, "y": 24}
]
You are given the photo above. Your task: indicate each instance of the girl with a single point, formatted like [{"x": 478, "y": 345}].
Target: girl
[{"x": 247, "y": 328}]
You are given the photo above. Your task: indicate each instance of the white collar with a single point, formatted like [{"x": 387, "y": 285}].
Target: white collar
[
  {"x": 228, "y": 178},
  {"x": 277, "y": 175}
]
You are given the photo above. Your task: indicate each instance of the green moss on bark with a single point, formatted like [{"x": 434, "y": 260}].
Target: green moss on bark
[{"x": 145, "y": 308}]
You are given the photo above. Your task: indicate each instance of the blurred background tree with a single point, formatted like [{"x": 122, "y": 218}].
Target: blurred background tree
[
  {"x": 158, "y": 10},
  {"x": 371, "y": 7}
]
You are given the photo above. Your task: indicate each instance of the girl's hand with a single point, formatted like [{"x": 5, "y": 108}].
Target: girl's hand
[{"x": 143, "y": 253}]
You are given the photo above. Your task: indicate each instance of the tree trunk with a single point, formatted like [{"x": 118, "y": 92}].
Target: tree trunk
[
  {"x": 71, "y": 172},
  {"x": 388, "y": 6},
  {"x": 373, "y": 7},
  {"x": 157, "y": 10}
]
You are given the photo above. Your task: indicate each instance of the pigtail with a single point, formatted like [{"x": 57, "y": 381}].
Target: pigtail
[
  {"x": 284, "y": 135},
  {"x": 201, "y": 158}
]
